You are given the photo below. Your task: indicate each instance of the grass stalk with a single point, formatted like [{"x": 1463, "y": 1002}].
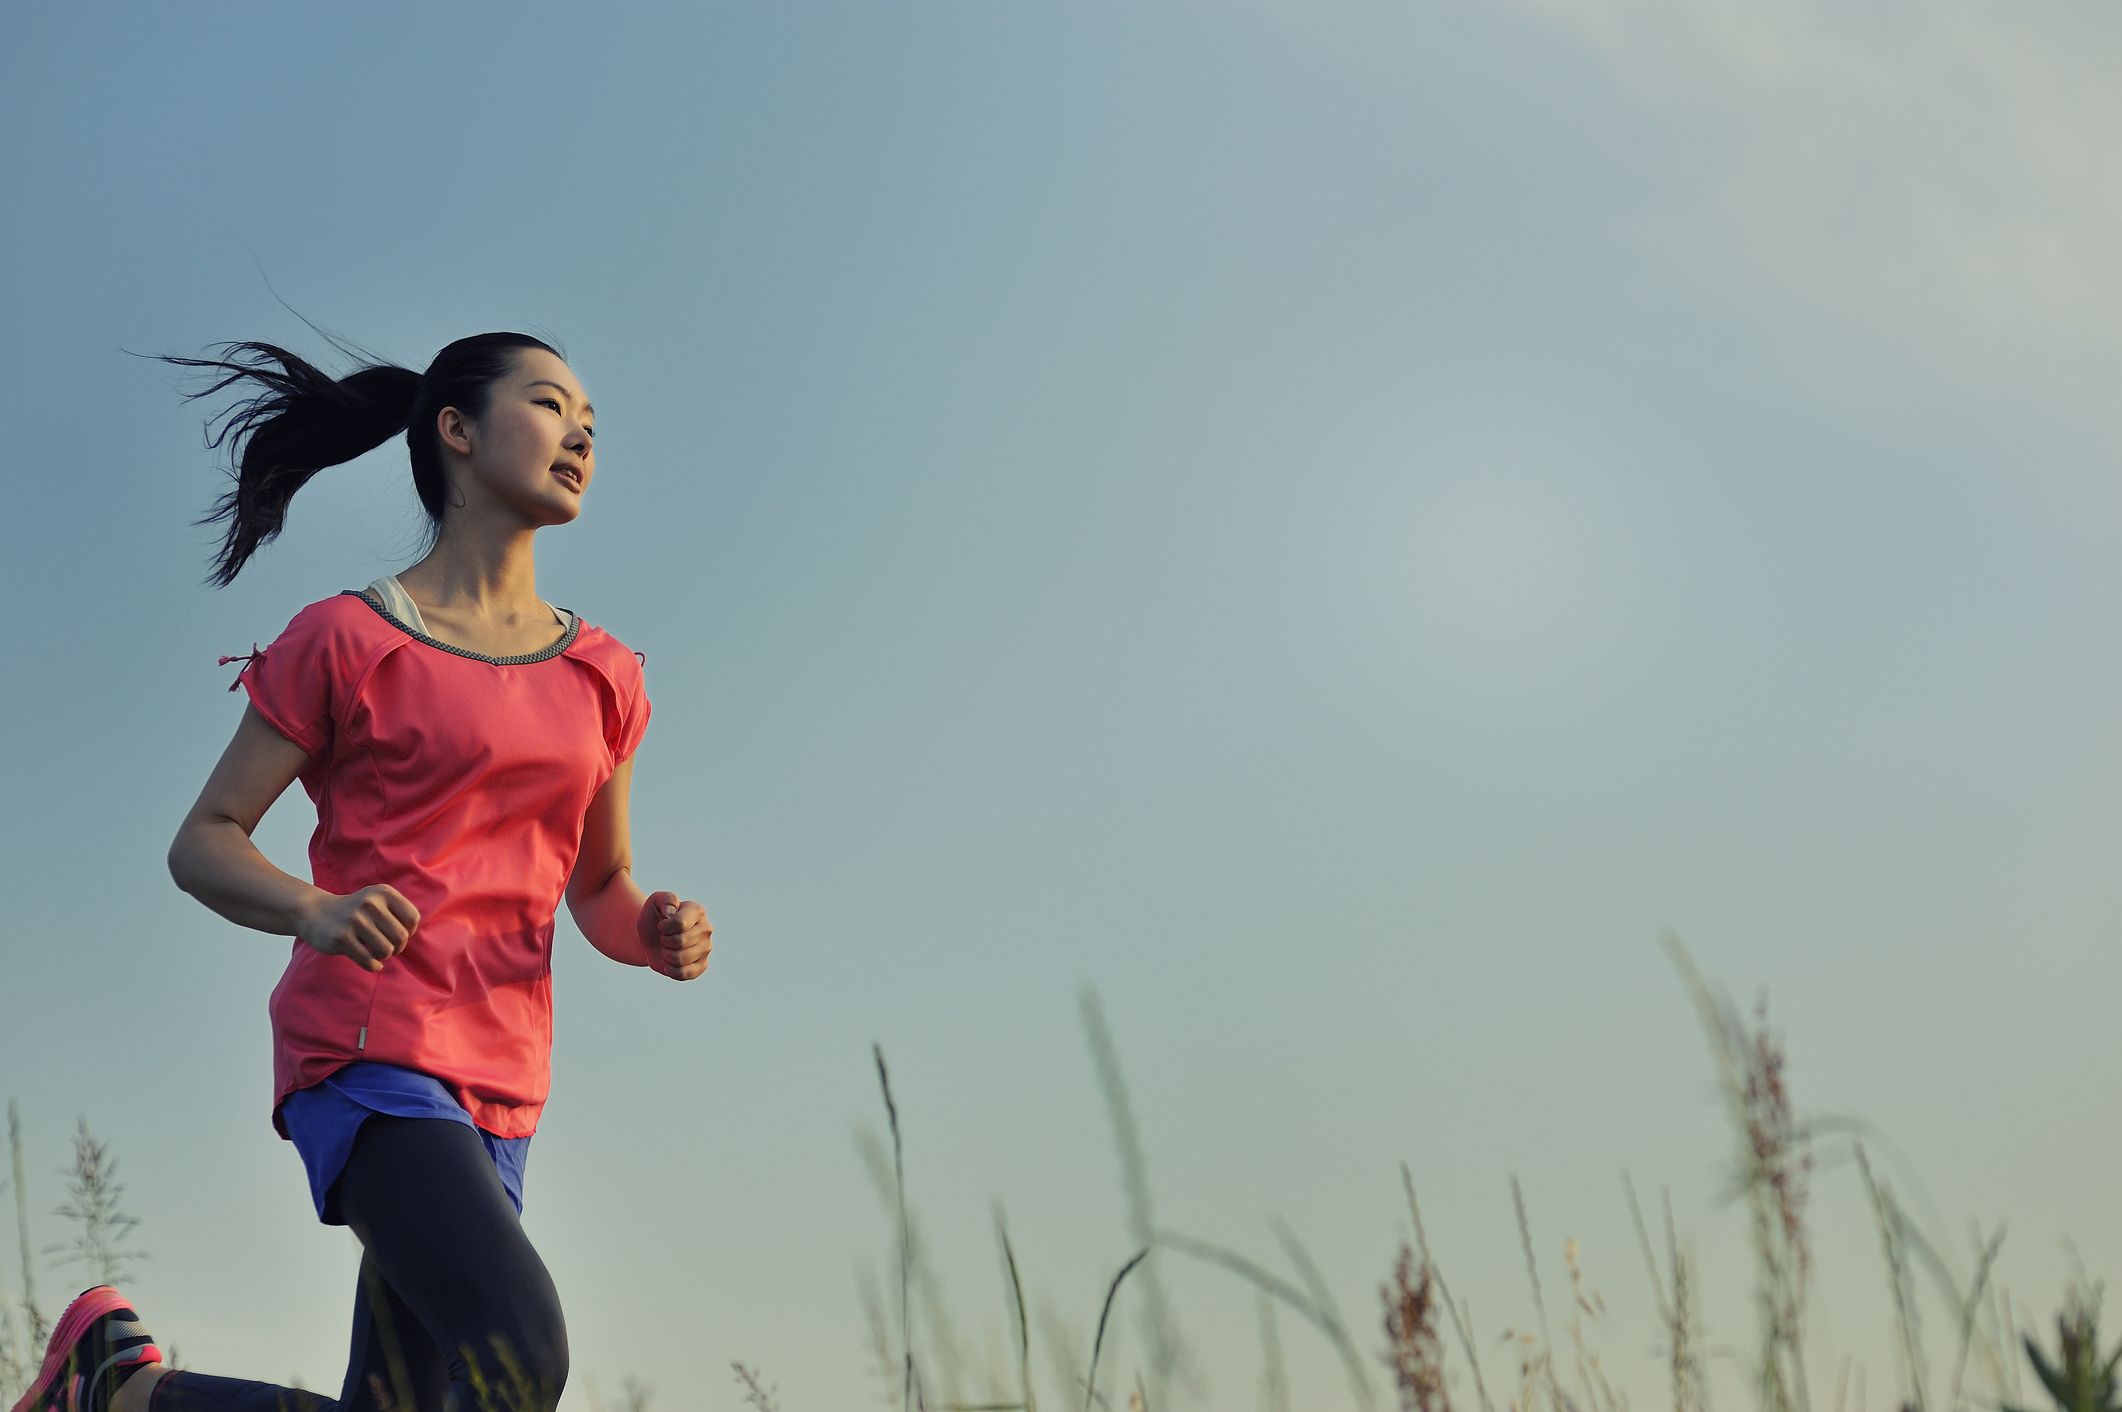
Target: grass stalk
[
  {"x": 906, "y": 1332},
  {"x": 1774, "y": 1162},
  {"x": 39, "y": 1329},
  {"x": 1984, "y": 1264},
  {"x": 1097, "y": 1346},
  {"x": 1323, "y": 1299},
  {"x": 1892, "y": 1238},
  {"x": 1459, "y": 1324},
  {"x": 1160, "y": 1332},
  {"x": 756, "y": 1392},
  {"x": 1322, "y": 1319},
  {"x": 1274, "y": 1378},
  {"x": 1677, "y": 1312},
  {"x": 1532, "y": 1274},
  {"x": 1016, "y": 1296}
]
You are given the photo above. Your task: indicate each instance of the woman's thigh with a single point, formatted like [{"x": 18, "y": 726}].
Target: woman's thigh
[{"x": 437, "y": 1227}]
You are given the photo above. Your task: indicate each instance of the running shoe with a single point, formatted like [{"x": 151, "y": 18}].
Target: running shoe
[{"x": 98, "y": 1340}]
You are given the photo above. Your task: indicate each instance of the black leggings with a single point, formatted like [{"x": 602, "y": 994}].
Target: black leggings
[{"x": 454, "y": 1313}]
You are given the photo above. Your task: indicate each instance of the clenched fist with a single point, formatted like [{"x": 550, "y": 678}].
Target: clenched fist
[
  {"x": 676, "y": 935},
  {"x": 367, "y": 927}
]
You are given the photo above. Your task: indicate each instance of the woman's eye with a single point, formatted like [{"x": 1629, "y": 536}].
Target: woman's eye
[{"x": 555, "y": 405}]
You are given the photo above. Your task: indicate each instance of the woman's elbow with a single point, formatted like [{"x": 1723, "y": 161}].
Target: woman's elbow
[
  {"x": 179, "y": 860},
  {"x": 184, "y": 857}
]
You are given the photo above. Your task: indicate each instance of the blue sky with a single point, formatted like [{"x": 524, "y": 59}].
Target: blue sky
[{"x": 1335, "y": 527}]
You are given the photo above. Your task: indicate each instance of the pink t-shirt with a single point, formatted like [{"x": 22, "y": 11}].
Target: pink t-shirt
[{"x": 461, "y": 781}]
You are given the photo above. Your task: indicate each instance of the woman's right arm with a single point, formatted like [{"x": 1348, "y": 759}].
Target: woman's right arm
[{"x": 214, "y": 860}]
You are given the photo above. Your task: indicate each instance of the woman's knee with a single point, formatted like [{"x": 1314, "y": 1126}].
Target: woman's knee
[{"x": 523, "y": 1367}]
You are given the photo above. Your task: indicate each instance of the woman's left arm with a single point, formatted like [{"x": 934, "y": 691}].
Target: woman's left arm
[{"x": 657, "y": 929}]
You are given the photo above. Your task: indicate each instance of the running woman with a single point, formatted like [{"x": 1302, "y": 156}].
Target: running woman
[{"x": 469, "y": 748}]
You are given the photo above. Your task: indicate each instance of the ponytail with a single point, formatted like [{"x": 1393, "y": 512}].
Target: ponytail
[{"x": 304, "y": 420}]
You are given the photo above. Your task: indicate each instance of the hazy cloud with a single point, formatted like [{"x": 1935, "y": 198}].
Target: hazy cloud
[{"x": 1935, "y": 171}]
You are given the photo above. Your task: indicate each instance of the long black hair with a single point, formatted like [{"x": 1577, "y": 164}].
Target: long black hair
[{"x": 304, "y": 420}]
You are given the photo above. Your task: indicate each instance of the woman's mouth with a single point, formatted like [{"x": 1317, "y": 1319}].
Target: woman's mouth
[{"x": 571, "y": 476}]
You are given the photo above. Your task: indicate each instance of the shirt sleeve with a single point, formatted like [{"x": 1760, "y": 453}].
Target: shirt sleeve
[
  {"x": 633, "y": 710},
  {"x": 299, "y": 683}
]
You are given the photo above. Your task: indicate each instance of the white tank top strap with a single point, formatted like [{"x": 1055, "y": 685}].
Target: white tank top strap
[{"x": 398, "y": 603}]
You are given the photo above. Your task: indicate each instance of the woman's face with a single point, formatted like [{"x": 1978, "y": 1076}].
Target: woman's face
[{"x": 534, "y": 451}]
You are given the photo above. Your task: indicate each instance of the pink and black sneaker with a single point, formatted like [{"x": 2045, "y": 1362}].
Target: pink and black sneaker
[{"x": 98, "y": 1345}]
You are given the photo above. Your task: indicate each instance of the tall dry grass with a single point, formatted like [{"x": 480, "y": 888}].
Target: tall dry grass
[
  {"x": 1425, "y": 1341},
  {"x": 1421, "y": 1339}
]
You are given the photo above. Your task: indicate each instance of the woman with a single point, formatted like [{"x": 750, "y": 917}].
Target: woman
[{"x": 469, "y": 749}]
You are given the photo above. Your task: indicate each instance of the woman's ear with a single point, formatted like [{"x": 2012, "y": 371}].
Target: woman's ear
[{"x": 455, "y": 429}]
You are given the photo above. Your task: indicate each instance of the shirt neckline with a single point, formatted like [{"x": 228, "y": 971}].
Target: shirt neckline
[{"x": 567, "y": 637}]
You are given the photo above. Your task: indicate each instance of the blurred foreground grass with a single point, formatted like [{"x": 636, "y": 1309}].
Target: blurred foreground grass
[{"x": 1417, "y": 1350}]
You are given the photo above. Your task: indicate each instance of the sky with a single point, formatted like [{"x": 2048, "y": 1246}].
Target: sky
[{"x": 1318, "y": 534}]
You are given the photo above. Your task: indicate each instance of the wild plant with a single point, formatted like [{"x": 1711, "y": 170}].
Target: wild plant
[
  {"x": 1169, "y": 1358},
  {"x": 756, "y": 1392},
  {"x": 917, "y": 1273},
  {"x": 636, "y": 1396},
  {"x": 1771, "y": 1176},
  {"x": 100, "y": 1228},
  {"x": 1893, "y": 1239},
  {"x": 1462, "y": 1319},
  {"x": 500, "y": 1381},
  {"x": 1599, "y": 1391},
  {"x": 101, "y": 1223},
  {"x": 15, "y": 1369},
  {"x": 1677, "y": 1312},
  {"x": 1536, "y": 1353},
  {"x": 1415, "y": 1349},
  {"x": 1274, "y": 1380},
  {"x": 1774, "y": 1163},
  {"x": 38, "y": 1327},
  {"x": 2079, "y": 1377}
]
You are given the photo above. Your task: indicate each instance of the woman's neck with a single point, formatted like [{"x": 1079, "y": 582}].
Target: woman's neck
[{"x": 491, "y": 576}]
